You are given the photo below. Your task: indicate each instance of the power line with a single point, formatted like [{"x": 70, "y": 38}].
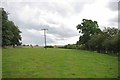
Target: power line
[{"x": 45, "y": 37}]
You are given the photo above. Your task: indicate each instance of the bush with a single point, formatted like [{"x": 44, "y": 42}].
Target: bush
[{"x": 49, "y": 47}]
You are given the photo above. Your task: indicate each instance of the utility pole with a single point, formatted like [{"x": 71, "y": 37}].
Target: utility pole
[{"x": 45, "y": 37}]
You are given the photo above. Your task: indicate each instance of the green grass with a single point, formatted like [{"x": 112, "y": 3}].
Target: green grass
[{"x": 57, "y": 63}]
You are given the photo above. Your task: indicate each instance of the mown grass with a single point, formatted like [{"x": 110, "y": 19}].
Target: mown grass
[{"x": 57, "y": 63}]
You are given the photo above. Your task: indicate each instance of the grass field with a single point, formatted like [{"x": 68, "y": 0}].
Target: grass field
[{"x": 57, "y": 63}]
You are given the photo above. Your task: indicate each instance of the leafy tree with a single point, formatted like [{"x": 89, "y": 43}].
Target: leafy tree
[
  {"x": 92, "y": 38},
  {"x": 6, "y": 33},
  {"x": 112, "y": 44},
  {"x": 87, "y": 28},
  {"x": 10, "y": 32},
  {"x": 110, "y": 32},
  {"x": 0, "y": 27},
  {"x": 107, "y": 41},
  {"x": 96, "y": 42},
  {"x": 16, "y": 34}
]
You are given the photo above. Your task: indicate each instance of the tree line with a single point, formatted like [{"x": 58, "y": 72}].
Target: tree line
[
  {"x": 94, "y": 39},
  {"x": 10, "y": 32}
]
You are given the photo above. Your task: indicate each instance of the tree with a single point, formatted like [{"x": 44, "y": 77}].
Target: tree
[
  {"x": 10, "y": 32},
  {"x": 110, "y": 32},
  {"x": 16, "y": 34},
  {"x": 87, "y": 28},
  {"x": 112, "y": 44},
  {"x": 107, "y": 41},
  {"x": 96, "y": 42},
  {"x": 6, "y": 33}
]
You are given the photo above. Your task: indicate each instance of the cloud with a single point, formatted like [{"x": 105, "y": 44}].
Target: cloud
[
  {"x": 48, "y": 16},
  {"x": 59, "y": 17},
  {"x": 60, "y": 31},
  {"x": 35, "y": 37},
  {"x": 113, "y": 6},
  {"x": 119, "y": 5}
]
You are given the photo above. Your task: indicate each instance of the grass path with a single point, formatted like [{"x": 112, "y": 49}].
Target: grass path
[{"x": 57, "y": 63}]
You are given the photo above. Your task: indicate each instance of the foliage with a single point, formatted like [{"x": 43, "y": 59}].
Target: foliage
[
  {"x": 110, "y": 32},
  {"x": 93, "y": 39},
  {"x": 87, "y": 28},
  {"x": 49, "y": 47},
  {"x": 105, "y": 42},
  {"x": 70, "y": 46},
  {"x": 112, "y": 44},
  {"x": 10, "y": 32},
  {"x": 96, "y": 41}
]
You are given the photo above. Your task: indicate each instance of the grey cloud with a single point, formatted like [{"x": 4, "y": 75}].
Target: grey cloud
[
  {"x": 119, "y": 5},
  {"x": 29, "y": 38},
  {"x": 61, "y": 31},
  {"x": 47, "y": 6},
  {"x": 118, "y": 17},
  {"x": 114, "y": 6},
  {"x": 79, "y": 5},
  {"x": 114, "y": 22},
  {"x": 115, "y": 19},
  {"x": 54, "y": 7}
]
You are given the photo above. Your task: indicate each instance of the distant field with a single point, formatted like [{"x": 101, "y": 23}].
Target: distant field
[{"x": 57, "y": 63}]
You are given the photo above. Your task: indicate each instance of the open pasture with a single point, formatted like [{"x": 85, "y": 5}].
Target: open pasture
[{"x": 57, "y": 63}]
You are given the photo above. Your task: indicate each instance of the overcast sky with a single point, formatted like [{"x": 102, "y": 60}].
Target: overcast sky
[{"x": 60, "y": 17}]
